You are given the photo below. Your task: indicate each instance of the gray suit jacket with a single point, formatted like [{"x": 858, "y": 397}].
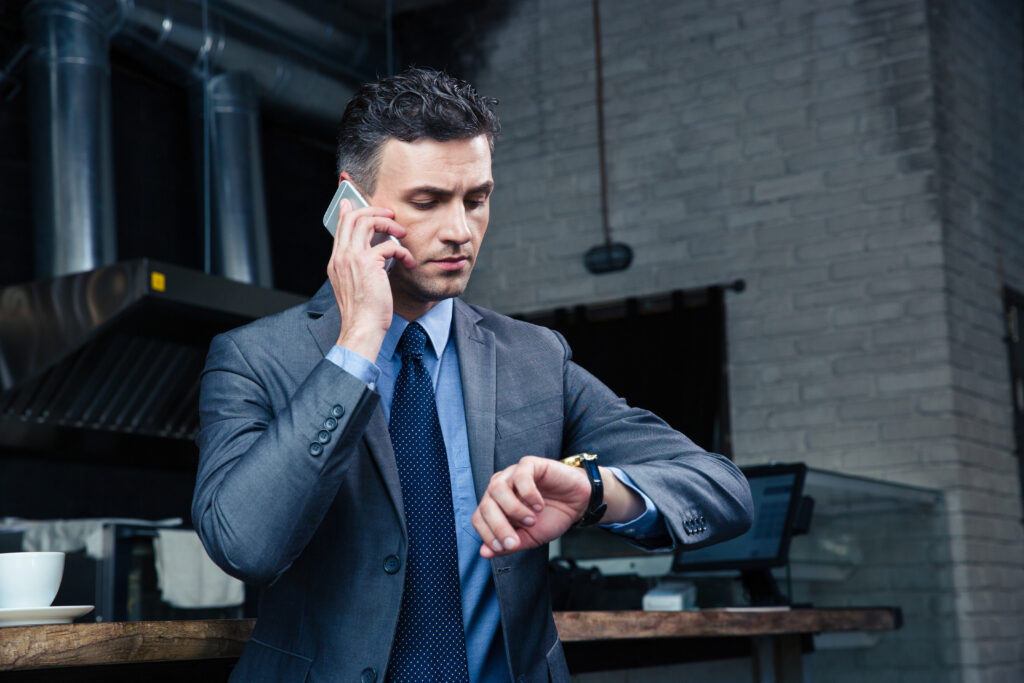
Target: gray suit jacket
[{"x": 324, "y": 534}]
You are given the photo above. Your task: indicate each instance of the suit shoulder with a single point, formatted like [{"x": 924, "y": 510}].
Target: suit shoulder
[
  {"x": 509, "y": 330},
  {"x": 268, "y": 330}
]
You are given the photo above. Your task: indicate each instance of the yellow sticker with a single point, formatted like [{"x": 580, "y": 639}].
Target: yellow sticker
[{"x": 158, "y": 281}]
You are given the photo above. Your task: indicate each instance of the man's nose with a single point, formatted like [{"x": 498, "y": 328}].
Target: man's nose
[{"x": 456, "y": 226}]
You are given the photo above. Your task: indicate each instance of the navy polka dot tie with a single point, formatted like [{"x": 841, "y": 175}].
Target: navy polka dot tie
[{"x": 430, "y": 644}]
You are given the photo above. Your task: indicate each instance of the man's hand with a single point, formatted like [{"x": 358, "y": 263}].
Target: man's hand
[
  {"x": 536, "y": 501},
  {"x": 357, "y": 275}
]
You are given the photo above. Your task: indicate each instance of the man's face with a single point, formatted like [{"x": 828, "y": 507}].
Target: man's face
[{"x": 440, "y": 193}]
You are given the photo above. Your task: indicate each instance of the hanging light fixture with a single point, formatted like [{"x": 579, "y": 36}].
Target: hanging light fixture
[{"x": 610, "y": 256}]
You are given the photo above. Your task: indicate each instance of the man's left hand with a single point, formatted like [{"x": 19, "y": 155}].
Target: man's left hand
[{"x": 536, "y": 501}]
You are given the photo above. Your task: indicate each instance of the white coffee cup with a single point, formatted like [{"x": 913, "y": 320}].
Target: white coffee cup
[{"x": 30, "y": 579}]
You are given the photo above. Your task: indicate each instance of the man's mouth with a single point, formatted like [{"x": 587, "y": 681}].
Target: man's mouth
[{"x": 452, "y": 262}]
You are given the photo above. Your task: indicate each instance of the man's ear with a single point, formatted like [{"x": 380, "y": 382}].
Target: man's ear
[{"x": 345, "y": 176}]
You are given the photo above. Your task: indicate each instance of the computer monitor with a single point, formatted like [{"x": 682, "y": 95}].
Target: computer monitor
[{"x": 776, "y": 490}]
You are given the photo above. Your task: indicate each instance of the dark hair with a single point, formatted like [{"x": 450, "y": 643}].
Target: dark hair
[{"x": 417, "y": 103}]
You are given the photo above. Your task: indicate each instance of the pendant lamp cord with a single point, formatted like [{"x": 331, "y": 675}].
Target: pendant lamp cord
[{"x": 600, "y": 123}]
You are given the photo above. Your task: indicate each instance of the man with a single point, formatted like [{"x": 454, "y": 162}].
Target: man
[{"x": 385, "y": 460}]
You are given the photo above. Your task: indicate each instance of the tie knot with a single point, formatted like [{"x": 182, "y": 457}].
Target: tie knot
[{"x": 413, "y": 341}]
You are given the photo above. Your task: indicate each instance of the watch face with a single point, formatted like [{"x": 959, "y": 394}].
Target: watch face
[{"x": 578, "y": 459}]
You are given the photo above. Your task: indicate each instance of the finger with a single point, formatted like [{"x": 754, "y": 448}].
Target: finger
[
  {"x": 390, "y": 227},
  {"x": 501, "y": 536},
  {"x": 353, "y": 225},
  {"x": 391, "y": 249},
  {"x": 344, "y": 206},
  {"x": 369, "y": 226},
  {"x": 370, "y": 232},
  {"x": 510, "y": 503},
  {"x": 524, "y": 481},
  {"x": 487, "y": 538}
]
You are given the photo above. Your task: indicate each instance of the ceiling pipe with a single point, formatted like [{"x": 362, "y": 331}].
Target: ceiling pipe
[
  {"x": 239, "y": 239},
  {"x": 301, "y": 66},
  {"x": 68, "y": 87},
  {"x": 287, "y": 57}
]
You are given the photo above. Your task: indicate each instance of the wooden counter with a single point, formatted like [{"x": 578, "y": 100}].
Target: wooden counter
[{"x": 74, "y": 645}]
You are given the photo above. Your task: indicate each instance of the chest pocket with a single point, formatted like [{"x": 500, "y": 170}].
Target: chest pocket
[{"x": 543, "y": 416}]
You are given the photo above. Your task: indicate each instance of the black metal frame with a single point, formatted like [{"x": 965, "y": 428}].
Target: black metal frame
[{"x": 1013, "y": 309}]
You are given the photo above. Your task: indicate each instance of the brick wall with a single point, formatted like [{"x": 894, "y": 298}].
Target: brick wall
[
  {"x": 857, "y": 162},
  {"x": 979, "y": 119}
]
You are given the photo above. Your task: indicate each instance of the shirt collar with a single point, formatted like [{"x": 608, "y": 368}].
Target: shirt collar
[{"x": 437, "y": 323}]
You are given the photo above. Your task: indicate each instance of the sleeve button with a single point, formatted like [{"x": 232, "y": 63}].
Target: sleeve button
[
  {"x": 315, "y": 449},
  {"x": 330, "y": 424},
  {"x": 324, "y": 436},
  {"x": 337, "y": 411}
]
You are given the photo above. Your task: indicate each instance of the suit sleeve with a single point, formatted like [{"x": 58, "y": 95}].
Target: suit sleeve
[
  {"x": 262, "y": 487},
  {"x": 702, "y": 497}
]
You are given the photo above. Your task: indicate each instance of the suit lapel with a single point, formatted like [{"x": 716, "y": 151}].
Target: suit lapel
[
  {"x": 378, "y": 442},
  {"x": 475, "y": 347},
  {"x": 325, "y": 325}
]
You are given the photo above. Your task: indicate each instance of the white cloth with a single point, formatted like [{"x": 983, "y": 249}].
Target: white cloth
[
  {"x": 187, "y": 577},
  {"x": 71, "y": 535}
]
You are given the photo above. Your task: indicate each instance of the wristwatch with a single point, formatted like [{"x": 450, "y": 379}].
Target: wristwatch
[{"x": 596, "y": 507}]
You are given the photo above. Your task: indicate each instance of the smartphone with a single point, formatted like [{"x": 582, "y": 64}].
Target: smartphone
[{"x": 347, "y": 190}]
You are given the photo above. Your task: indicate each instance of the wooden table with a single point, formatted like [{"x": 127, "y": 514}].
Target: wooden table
[{"x": 775, "y": 633}]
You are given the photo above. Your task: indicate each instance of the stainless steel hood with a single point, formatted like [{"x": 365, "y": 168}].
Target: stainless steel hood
[{"x": 119, "y": 348}]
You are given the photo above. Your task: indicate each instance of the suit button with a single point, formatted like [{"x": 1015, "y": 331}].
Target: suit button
[
  {"x": 338, "y": 411},
  {"x": 315, "y": 449},
  {"x": 330, "y": 424},
  {"x": 368, "y": 676},
  {"x": 391, "y": 564},
  {"x": 324, "y": 436}
]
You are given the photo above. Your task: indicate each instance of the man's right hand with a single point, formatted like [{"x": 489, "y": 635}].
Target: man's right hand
[{"x": 357, "y": 275}]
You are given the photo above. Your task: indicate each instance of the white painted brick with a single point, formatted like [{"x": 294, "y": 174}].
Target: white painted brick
[
  {"x": 915, "y": 380},
  {"x": 832, "y": 342},
  {"x": 875, "y": 409},
  {"x": 867, "y": 314},
  {"x": 866, "y": 267},
  {"x": 857, "y": 163},
  {"x": 827, "y": 251},
  {"x": 846, "y": 436},
  {"x": 836, "y": 389},
  {"x": 788, "y": 186}
]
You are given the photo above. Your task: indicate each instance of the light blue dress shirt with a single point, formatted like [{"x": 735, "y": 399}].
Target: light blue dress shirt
[{"x": 485, "y": 647}]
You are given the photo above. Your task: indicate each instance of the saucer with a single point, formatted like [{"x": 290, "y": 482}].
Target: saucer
[{"x": 31, "y": 616}]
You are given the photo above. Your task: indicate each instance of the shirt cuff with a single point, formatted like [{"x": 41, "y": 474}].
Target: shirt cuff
[
  {"x": 355, "y": 365},
  {"x": 649, "y": 525}
]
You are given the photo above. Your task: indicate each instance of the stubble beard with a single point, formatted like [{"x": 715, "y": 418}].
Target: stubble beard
[{"x": 432, "y": 289}]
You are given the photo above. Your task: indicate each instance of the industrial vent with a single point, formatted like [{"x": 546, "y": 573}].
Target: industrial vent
[{"x": 119, "y": 348}]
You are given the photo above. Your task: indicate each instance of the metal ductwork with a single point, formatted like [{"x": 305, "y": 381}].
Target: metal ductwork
[
  {"x": 70, "y": 136},
  {"x": 98, "y": 346},
  {"x": 298, "y": 62},
  {"x": 239, "y": 239}
]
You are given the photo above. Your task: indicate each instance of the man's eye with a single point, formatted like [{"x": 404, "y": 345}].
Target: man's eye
[
  {"x": 475, "y": 203},
  {"x": 424, "y": 205}
]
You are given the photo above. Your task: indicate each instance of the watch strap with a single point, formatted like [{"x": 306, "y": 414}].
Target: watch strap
[{"x": 596, "y": 507}]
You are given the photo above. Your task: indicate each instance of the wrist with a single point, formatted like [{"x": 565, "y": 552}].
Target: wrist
[
  {"x": 366, "y": 343},
  {"x": 596, "y": 507},
  {"x": 624, "y": 504}
]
